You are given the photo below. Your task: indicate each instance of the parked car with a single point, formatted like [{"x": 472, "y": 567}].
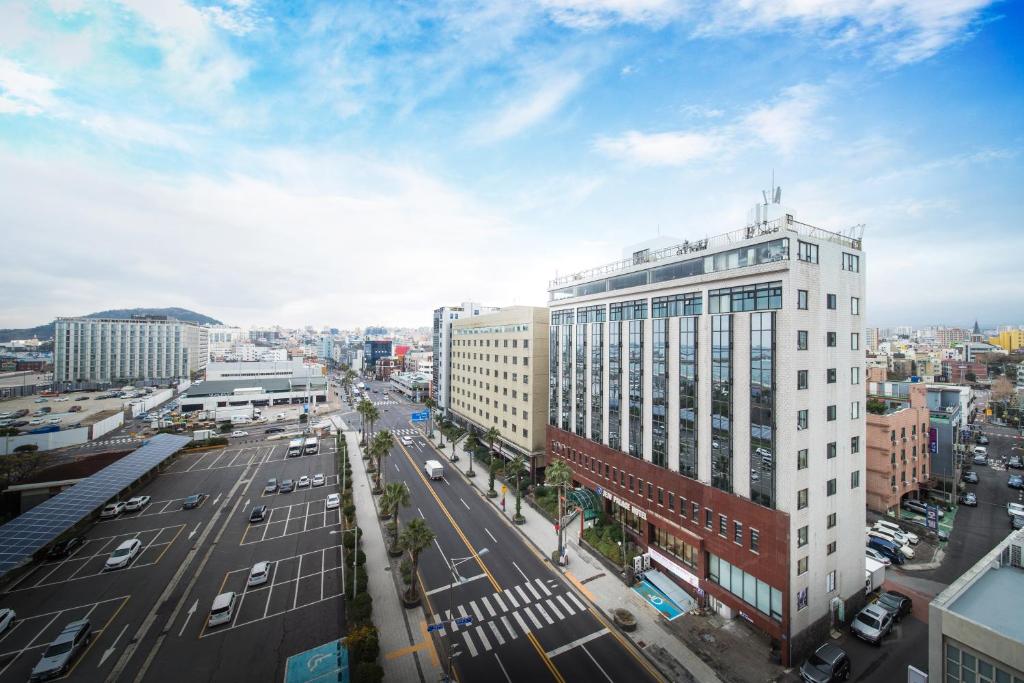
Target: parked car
[
  {"x": 57, "y": 658},
  {"x": 318, "y": 480},
  {"x": 980, "y": 450},
  {"x": 920, "y": 508},
  {"x": 1014, "y": 509},
  {"x": 982, "y": 440},
  {"x": 7, "y": 617},
  {"x": 970, "y": 477},
  {"x": 137, "y": 503},
  {"x": 1015, "y": 462},
  {"x": 123, "y": 554},
  {"x": 333, "y": 501},
  {"x": 62, "y": 549},
  {"x": 828, "y": 663},
  {"x": 273, "y": 430},
  {"x": 287, "y": 486},
  {"x": 877, "y": 556},
  {"x": 193, "y": 501},
  {"x": 112, "y": 510},
  {"x": 258, "y": 514},
  {"x": 904, "y": 547},
  {"x": 238, "y": 433},
  {"x": 75, "y": 409},
  {"x": 872, "y": 624},
  {"x": 271, "y": 486},
  {"x": 969, "y": 499},
  {"x": 898, "y": 531},
  {"x": 303, "y": 481},
  {"x": 82, "y": 398},
  {"x": 896, "y": 603},
  {"x": 888, "y": 549},
  {"x": 259, "y": 574},
  {"x": 980, "y": 460},
  {"x": 1015, "y": 481},
  {"x": 223, "y": 609},
  {"x": 1017, "y": 522}
]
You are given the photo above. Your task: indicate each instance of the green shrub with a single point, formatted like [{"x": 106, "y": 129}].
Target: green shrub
[
  {"x": 360, "y": 558},
  {"x": 368, "y": 672},
  {"x": 360, "y": 609},
  {"x": 541, "y": 491},
  {"x": 349, "y": 510}
]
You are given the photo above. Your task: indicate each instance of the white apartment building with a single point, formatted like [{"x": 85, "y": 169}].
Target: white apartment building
[
  {"x": 223, "y": 339},
  {"x": 711, "y": 393},
  {"x": 140, "y": 348},
  {"x": 499, "y": 366},
  {"x": 442, "y": 348}
]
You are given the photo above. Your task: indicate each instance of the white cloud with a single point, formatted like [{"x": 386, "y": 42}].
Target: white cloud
[
  {"x": 598, "y": 14},
  {"x": 902, "y": 31},
  {"x": 781, "y": 125},
  {"x": 534, "y": 106},
  {"x": 22, "y": 92}
]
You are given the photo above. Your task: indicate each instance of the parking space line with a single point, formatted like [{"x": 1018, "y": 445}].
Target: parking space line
[{"x": 298, "y": 576}]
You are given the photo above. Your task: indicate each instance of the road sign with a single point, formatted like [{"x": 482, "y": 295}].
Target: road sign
[
  {"x": 464, "y": 621},
  {"x": 421, "y": 416},
  {"x": 932, "y": 516},
  {"x": 435, "y": 627}
]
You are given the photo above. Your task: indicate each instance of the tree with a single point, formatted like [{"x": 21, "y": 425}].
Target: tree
[
  {"x": 430, "y": 404},
  {"x": 414, "y": 539},
  {"x": 559, "y": 476},
  {"x": 396, "y": 496},
  {"x": 24, "y": 461},
  {"x": 515, "y": 467},
  {"x": 492, "y": 436},
  {"x": 363, "y": 408},
  {"x": 1002, "y": 389},
  {"x": 971, "y": 377},
  {"x": 470, "y": 447},
  {"x": 372, "y": 414},
  {"x": 380, "y": 448},
  {"x": 491, "y": 471}
]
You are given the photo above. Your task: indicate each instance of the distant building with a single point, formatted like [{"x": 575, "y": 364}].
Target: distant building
[
  {"x": 975, "y": 629},
  {"x": 956, "y": 372},
  {"x": 1010, "y": 340},
  {"x": 253, "y": 393},
  {"x": 288, "y": 369},
  {"x": 442, "y": 348},
  {"x": 384, "y": 368},
  {"x": 222, "y": 340},
  {"x": 947, "y": 422},
  {"x": 375, "y": 349},
  {"x": 947, "y": 336},
  {"x": 898, "y": 458},
  {"x": 125, "y": 350},
  {"x": 415, "y": 385}
]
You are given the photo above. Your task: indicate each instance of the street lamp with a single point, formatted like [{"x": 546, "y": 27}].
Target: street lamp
[{"x": 454, "y": 563}]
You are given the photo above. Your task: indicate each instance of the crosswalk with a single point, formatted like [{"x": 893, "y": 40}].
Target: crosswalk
[
  {"x": 106, "y": 442},
  {"x": 385, "y": 402},
  {"x": 505, "y": 616},
  {"x": 406, "y": 432}
]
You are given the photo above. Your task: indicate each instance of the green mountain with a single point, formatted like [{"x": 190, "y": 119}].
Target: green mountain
[{"x": 46, "y": 331}]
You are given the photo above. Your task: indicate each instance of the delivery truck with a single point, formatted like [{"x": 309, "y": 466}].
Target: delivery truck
[
  {"x": 434, "y": 469},
  {"x": 874, "y": 574}
]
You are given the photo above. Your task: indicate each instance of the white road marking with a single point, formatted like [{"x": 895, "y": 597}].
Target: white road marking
[
  {"x": 524, "y": 595},
  {"x": 497, "y": 598},
  {"x": 598, "y": 665},
  {"x": 536, "y": 622},
  {"x": 487, "y": 606},
  {"x": 576, "y": 601},
  {"x": 540, "y": 608},
  {"x": 421, "y": 513},
  {"x": 508, "y": 627},
  {"x": 476, "y": 610},
  {"x": 464, "y": 503},
  {"x": 533, "y": 590},
  {"x": 490, "y": 534},
  {"x": 469, "y": 644},
  {"x": 483, "y": 638},
  {"x": 496, "y": 632},
  {"x": 521, "y": 573},
  {"x": 554, "y": 608},
  {"x": 522, "y": 624},
  {"x": 576, "y": 643},
  {"x": 509, "y": 680},
  {"x": 543, "y": 587},
  {"x": 511, "y": 598},
  {"x": 565, "y": 605}
]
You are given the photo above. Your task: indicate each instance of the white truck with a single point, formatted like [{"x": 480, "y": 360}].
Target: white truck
[
  {"x": 434, "y": 469},
  {"x": 874, "y": 574}
]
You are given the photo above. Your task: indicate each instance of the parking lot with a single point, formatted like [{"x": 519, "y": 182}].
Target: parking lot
[
  {"x": 153, "y": 613},
  {"x": 60, "y": 407}
]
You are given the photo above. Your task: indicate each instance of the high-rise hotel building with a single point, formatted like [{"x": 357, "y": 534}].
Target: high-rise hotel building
[{"x": 710, "y": 394}]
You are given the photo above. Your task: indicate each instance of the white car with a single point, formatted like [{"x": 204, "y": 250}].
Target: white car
[
  {"x": 895, "y": 529},
  {"x": 36, "y": 421},
  {"x": 303, "y": 481},
  {"x": 981, "y": 450},
  {"x": 137, "y": 503},
  {"x": 333, "y": 501},
  {"x": 406, "y": 441},
  {"x": 877, "y": 556},
  {"x": 223, "y": 609},
  {"x": 112, "y": 510},
  {"x": 259, "y": 574},
  {"x": 7, "y": 617},
  {"x": 238, "y": 433},
  {"x": 54, "y": 420},
  {"x": 62, "y": 399},
  {"x": 318, "y": 480},
  {"x": 125, "y": 553}
]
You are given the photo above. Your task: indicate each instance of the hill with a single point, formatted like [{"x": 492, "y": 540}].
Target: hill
[{"x": 46, "y": 331}]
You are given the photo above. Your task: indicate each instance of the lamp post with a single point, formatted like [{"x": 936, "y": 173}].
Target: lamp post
[{"x": 454, "y": 562}]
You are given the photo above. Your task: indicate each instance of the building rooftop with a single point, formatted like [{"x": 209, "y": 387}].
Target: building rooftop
[
  {"x": 995, "y": 600},
  {"x": 226, "y": 387}
]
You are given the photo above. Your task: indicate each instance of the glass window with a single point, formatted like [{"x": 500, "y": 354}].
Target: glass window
[
  {"x": 830, "y": 338},
  {"x": 801, "y": 459},
  {"x": 830, "y": 301},
  {"x": 830, "y": 487},
  {"x": 801, "y": 340},
  {"x": 659, "y": 393},
  {"x": 721, "y": 402},
  {"x": 855, "y": 341},
  {"x": 801, "y": 419},
  {"x": 707, "y": 518},
  {"x": 688, "y": 397},
  {"x": 830, "y": 413},
  {"x": 762, "y": 409},
  {"x": 801, "y": 299},
  {"x": 854, "y": 444},
  {"x": 737, "y": 533},
  {"x": 801, "y": 499},
  {"x": 755, "y": 539},
  {"x": 854, "y": 375},
  {"x": 830, "y": 376},
  {"x": 831, "y": 520},
  {"x": 723, "y": 526},
  {"x": 801, "y": 566},
  {"x": 801, "y": 537},
  {"x": 801, "y": 379},
  {"x": 854, "y": 305},
  {"x": 855, "y": 410},
  {"x": 851, "y": 262},
  {"x": 807, "y": 252},
  {"x": 831, "y": 450},
  {"x": 855, "y": 479}
]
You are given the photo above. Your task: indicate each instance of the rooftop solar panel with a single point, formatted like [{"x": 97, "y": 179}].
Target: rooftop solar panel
[{"x": 23, "y": 536}]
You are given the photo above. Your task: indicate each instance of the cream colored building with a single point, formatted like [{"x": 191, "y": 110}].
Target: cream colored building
[{"x": 499, "y": 373}]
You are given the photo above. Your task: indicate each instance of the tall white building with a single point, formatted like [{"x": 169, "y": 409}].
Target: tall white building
[
  {"x": 222, "y": 340},
  {"x": 139, "y": 348},
  {"x": 709, "y": 394},
  {"x": 440, "y": 388}
]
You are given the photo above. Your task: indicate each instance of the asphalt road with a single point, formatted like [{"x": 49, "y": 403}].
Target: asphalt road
[
  {"x": 152, "y": 615},
  {"x": 528, "y": 622}
]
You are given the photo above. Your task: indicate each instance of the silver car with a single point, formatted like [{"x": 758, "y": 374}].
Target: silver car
[
  {"x": 872, "y": 624},
  {"x": 57, "y": 658}
]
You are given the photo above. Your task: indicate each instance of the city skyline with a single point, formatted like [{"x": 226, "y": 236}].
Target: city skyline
[{"x": 376, "y": 157}]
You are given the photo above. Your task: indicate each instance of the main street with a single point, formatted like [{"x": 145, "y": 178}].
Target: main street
[{"x": 528, "y": 623}]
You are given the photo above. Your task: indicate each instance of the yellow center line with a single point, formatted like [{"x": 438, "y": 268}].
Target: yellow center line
[{"x": 497, "y": 588}]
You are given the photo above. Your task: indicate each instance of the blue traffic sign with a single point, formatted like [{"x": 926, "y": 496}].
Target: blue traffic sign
[
  {"x": 435, "y": 627},
  {"x": 464, "y": 621},
  {"x": 421, "y": 416}
]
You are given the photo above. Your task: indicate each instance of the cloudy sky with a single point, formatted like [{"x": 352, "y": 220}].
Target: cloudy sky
[{"x": 351, "y": 163}]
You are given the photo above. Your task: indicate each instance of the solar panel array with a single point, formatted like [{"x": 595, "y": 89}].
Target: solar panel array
[{"x": 23, "y": 536}]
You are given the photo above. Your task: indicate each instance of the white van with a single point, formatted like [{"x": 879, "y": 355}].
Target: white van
[
  {"x": 240, "y": 419},
  {"x": 896, "y": 530},
  {"x": 223, "y": 609},
  {"x": 434, "y": 469}
]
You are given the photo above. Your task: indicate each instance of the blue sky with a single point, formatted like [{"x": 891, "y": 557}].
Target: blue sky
[{"x": 356, "y": 163}]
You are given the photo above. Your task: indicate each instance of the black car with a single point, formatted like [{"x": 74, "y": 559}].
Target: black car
[
  {"x": 64, "y": 548},
  {"x": 1015, "y": 481},
  {"x": 970, "y": 477},
  {"x": 273, "y": 430},
  {"x": 258, "y": 514},
  {"x": 193, "y": 501},
  {"x": 896, "y": 603},
  {"x": 828, "y": 663}
]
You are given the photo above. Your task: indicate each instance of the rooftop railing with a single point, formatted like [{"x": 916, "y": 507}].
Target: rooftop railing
[{"x": 709, "y": 244}]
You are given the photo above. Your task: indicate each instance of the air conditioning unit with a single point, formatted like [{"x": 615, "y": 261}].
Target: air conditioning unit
[{"x": 1017, "y": 552}]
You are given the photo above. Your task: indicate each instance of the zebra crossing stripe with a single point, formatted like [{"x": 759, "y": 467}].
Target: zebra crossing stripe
[
  {"x": 496, "y": 632},
  {"x": 551, "y": 606},
  {"x": 483, "y": 638},
  {"x": 497, "y": 599},
  {"x": 526, "y": 598},
  {"x": 486, "y": 604},
  {"x": 522, "y": 624},
  {"x": 476, "y": 611},
  {"x": 533, "y": 590},
  {"x": 565, "y": 605},
  {"x": 511, "y": 598},
  {"x": 462, "y": 611},
  {"x": 534, "y": 619},
  {"x": 469, "y": 644},
  {"x": 543, "y": 588},
  {"x": 540, "y": 608},
  {"x": 577, "y": 601},
  {"x": 508, "y": 627}
]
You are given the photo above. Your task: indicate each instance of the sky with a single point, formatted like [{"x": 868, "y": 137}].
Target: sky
[{"x": 357, "y": 163}]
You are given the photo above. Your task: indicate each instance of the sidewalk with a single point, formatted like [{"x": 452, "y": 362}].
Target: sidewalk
[
  {"x": 406, "y": 653},
  {"x": 590, "y": 576}
]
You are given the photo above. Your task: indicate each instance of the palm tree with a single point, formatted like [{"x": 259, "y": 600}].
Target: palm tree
[
  {"x": 363, "y": 408},
  {"x": 515, "y": 467},
  {"x": 396, "y": 496},
  {"x": 414, "y": 539},
  {"x": 430, "y": 404},
  {"x": 492, "y": 436},
  {"x": 380, "y": 448},
  {"x": 559, "y": 476},
  {"x": 372, "y": 414},
  {"x": 470, "y": 447}
]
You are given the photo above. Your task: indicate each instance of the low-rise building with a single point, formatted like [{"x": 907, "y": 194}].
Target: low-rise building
[
  {"x": 962, "y": 372},
  {"x": 415, "y": 385},
  {"x": 245, "y": 370},
  {"x": 975, "y": 629},
  {"x": 499, "y": 372},
  {"x": 255, "y": 392},
  {"x": 1010, "y": 340},
  {"x": 898, "y": 457}
]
